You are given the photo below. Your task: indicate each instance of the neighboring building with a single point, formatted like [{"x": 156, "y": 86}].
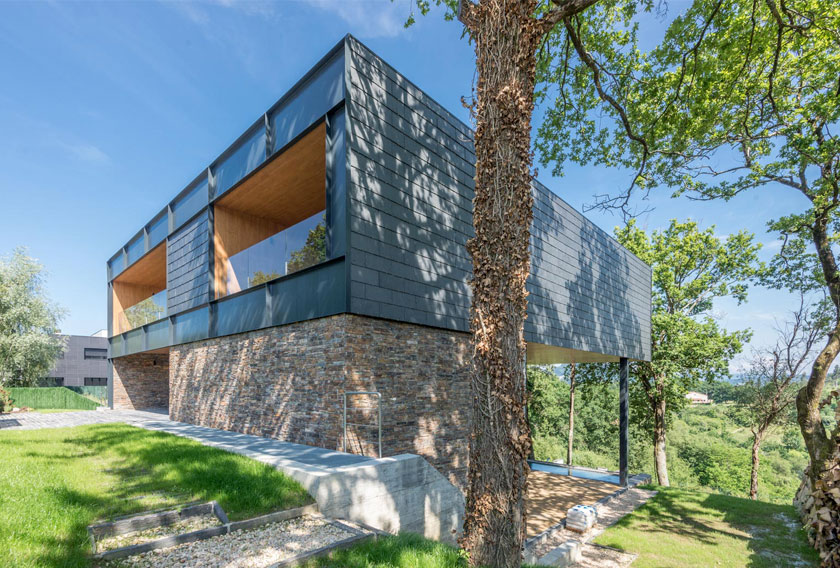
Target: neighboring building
[
  {"x": 324, "y": 252},
  {"x": 84, "y": 362},
  {"x": 697, "y": 398}
]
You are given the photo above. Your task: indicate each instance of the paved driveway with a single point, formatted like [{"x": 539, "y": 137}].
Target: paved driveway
[{"x": 36, "y": 420}]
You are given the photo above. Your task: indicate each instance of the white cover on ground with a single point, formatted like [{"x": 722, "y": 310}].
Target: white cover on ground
[{"x": 581, "y": 518}]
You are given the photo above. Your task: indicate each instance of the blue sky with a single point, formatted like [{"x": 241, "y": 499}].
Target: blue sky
[{"x": 109, "y": 109}]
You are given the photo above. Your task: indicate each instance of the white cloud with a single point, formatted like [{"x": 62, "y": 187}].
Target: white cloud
[
  {"x": 368, "y": 18},
  {"x": 87, "y": 152}
]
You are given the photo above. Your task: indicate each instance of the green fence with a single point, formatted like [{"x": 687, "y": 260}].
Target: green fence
[
  {"x": 99, "y": 393},
  {"x": 50, "y": 397}
]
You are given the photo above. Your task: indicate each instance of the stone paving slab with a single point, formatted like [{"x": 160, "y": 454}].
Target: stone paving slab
[
  {"x": 36, "y": 420},
  {"x": 266, "y": 450}
]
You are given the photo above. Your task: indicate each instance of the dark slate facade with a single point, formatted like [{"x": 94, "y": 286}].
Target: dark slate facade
[
  {"x": 411, "y": 169},
  {"x": 399, "y": 190},
  {"x": 188, "y": 266}
]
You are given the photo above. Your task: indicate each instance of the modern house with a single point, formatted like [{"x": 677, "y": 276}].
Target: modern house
[
  {"x": 323, "y": 255},
  {"x": 84, "y": 362}
]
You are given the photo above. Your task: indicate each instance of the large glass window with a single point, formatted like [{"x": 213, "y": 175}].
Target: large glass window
[
  {"x": 191, "y": 203},
  {"x": 300, "y": 246},
  {"x": 136, "y": 249},
  {"x": 313, "y": 100},
  {"x": 241, "y": 162},
  {"x": 146, "y": 311},
  {"x": 117, "y": 264},
  {"x": 94, "y": 353},
  {"x": 158, "y": 229}
]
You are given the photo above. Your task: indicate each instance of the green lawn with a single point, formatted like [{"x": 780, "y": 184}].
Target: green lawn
[
  {"x": 403, "y": 551},
  {"x": 689, "y": 528},
  {"x": 55, "y": 482}
]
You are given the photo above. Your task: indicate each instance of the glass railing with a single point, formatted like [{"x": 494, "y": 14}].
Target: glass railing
[
  {"x": 149, "y": 310},
  {"x": 293, "y": 249}
]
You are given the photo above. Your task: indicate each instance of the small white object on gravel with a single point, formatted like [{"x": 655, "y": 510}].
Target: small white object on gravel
[{"x": 256, "y": 548}]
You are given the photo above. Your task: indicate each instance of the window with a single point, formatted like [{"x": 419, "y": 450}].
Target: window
[
  {"x": 96, "y": 381},
  {"x": 92, "y": 353}
]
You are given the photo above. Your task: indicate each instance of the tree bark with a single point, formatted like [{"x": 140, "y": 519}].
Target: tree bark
[
  {"x": 506, "y": 36},
  {"x": 572, "y": 372},
  {"x": 659, "y": 458},
  {"x": 817, "y": 441},
  {"x": 756, "y": 447}
]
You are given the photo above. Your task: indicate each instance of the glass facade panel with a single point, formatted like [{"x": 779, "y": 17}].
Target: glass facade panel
[
  {"x": 136, "y": 249},
  {"x": 158, "y": 229},
  {"x": 241, "y": 313},
  {"x": 149, "y": 310},
  {"x": 191, "y": 203},
  {"x": 241, "y": 162},
  {"x": 117, "y": 346},
  {"x": 134, "y": 341},
  {"x": 337, "y": 188},
  {"x": 310, "y": 103},
  {"x": 116, "y": 264},
  {"x": 157, "y": 334},
  {"x": 293, "y": 249},
  {"x": 192, "y": 326}
]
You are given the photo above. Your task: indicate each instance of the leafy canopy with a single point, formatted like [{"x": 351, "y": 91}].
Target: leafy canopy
[
  {"x": 28, "y": 320},
  {"x": 691, "y": 268}
]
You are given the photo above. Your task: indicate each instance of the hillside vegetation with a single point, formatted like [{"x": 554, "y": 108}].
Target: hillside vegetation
[{"x": 707, "y": 449}]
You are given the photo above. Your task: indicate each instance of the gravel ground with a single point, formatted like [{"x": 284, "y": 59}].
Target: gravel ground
[
  {"x": 188, "y": 525},
  {"x": 594, "y": 556},
  {"x": 256, "y": 548}
]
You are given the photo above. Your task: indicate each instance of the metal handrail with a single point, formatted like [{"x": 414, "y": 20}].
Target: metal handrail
[{"x": 378, "y": 407}]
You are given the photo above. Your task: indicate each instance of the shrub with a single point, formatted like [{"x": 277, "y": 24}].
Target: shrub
[{"x": 5, "y": 400}]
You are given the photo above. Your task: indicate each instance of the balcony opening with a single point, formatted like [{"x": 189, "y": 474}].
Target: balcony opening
[
  {"x": 273, "y": 223},
  {"x": 139, "y": 292}
]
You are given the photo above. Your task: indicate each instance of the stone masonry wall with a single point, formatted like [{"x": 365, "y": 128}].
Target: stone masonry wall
[
  {"x": 286, "y": 382},
  {"x": 141, "y": 381}
]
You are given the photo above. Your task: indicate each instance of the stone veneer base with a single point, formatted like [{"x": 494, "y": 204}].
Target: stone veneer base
[
  {"x": 141, "y": 381},
  {"x": 287, "y": 382}
]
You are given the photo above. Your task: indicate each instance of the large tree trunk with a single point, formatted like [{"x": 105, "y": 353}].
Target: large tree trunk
[
  {"x": 659, "y": 459},
  {"x": 505, "y": 39},
  {"x": 756, "y": 447},
  {"x": 571, "y": 414}
]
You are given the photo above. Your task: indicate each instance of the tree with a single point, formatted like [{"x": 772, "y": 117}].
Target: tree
[
  {"x": 259, "y": 277},
  {"x": 28, "y": 322},
  {"x": 738, "y": 96},
  {"x": 506, "y": 36},
  {"x": 691, "y": 268},
  {"x": 312, "y": 252},
  {"x": 143, "y": 312},
  {"x": 769, "y": 391}
]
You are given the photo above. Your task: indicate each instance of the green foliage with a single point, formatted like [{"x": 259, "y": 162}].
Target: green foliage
[
  {"x": 144, "y": 312},
  {"x": 691, "y": 269},
  {"x": 57, "y": 481},
  {"x": 5, "y": 400},
  {"x": 312, "y": 252},
  {"x": 28, "y": 320},
  {"x": 259, "y": 277},
  {"x": 50, "y": 397},
  {"x": 97, "y": 393}
]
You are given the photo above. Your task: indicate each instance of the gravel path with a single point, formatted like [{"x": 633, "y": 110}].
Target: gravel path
[
  {"x": 191, "y": 524},
  {"x": 608, "y": 514},
  {"x": 256, "y": 548}
]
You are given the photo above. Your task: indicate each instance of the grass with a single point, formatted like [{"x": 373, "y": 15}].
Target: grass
[
  {"x": 55, "y": 482},
  {"x": 690, "y": 528},
  {"x": 402, "y": 551}
]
